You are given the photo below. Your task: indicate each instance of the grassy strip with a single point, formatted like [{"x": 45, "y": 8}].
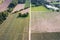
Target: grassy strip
[
  {"x": 39, "y": 8},
  {"x": 27, "y": 3}
]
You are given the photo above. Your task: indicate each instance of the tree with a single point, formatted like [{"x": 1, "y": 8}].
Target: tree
[
  {"x": 15, "y": 2},
  {"x": 3, "y": 16},
  {"x": 12, "y": 5}
]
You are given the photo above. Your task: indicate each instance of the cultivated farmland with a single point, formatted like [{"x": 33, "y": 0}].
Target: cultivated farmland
[
  {"x": 14, "y": 28},
  {"x": 45, "y": 21},
  {"x": 45, "y": 25}
]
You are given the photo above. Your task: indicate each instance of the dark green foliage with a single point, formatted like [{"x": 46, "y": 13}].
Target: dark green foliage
[
  {"x": 19, "y": 15},
  {"x": 10, "y": 9},
  {"x": 23, "y": 15},
  {"x": 57, "y": 10},
  {"x": 3, "y": 16},
  {"x": 21, "y": 1},
  {"x": 14, "y": 2},
  {"x": 38, "y": 2},
  {"x": 12, "y": 5}
]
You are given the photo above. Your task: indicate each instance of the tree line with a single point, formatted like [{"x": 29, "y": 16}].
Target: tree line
[{"x": 3, "y": 16}]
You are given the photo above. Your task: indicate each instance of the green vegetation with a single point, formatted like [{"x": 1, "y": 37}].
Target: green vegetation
[
  {"x": 15, "y": 2},
  {"x": 13, "y": 27},
  {"x": 39, "y": 8},
  {"x": 12, "y": 5},
  {"x": 27, "y": 3},
  {"x": 10, "y": 9},
  {"x": 3, "y": 16},
  {"x": 55, "y": 2},
  {"x": 23, "y": 15}
]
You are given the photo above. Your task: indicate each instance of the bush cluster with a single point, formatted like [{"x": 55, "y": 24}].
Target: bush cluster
[
  {"x": 23, "y": 15},
  {"x": 3, "y": 16}
]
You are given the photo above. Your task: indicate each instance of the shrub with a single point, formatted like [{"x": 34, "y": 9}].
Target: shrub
[{"x": 23, "y": 15}]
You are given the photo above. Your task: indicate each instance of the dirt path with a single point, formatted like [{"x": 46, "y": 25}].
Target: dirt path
[{"x": 45, "y": 22}]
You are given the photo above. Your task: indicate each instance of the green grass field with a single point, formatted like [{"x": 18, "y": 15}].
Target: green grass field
[
  {"x": 39, "y": 8},
  {"x": 13, "y": 28},
  {"x": 27, "y": 3}
]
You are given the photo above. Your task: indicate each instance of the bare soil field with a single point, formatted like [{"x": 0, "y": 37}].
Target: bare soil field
[
  {"x": 18, "y": 7},
  {"x": 4, "y": 5},
  {"x": 45, "y": 22}
]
